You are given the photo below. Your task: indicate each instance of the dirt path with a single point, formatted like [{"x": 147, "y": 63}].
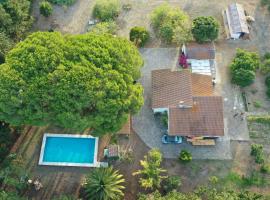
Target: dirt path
[{"x": 71, "y": 19}]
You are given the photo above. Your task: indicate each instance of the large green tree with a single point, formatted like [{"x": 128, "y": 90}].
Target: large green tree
[
  {"x": 205, "y": 29},
  {"x": 76, "y": 82},
  {"x": 171, "y": 24},
  {"x": 5, "y": 45},
  {"x": 243, "y": 67}
]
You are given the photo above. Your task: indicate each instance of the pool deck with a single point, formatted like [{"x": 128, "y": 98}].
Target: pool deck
[{"x": 55, "y": 179}]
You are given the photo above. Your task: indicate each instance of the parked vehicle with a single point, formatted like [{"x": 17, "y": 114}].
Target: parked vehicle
[{"x": 168, "y": 139}]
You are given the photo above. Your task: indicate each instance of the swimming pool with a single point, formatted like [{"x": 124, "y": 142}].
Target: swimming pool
[{"x": 69, "y": 150}]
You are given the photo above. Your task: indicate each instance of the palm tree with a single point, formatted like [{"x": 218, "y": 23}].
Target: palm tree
[{"x": 104, "y": 184}]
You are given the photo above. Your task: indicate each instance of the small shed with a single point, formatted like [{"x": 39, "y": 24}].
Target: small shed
[{"x": 235, "y": 22}]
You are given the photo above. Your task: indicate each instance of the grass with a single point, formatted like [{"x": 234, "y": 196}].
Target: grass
[
  {"x": 257, "y": 104},
  {"x": 263, "y": 119}
]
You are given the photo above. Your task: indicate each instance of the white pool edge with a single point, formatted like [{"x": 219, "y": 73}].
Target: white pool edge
[{"x": 40, "y": 162}]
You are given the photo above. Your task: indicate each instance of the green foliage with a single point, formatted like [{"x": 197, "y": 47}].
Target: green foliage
[
  {"x": 268, "y": 92},
  {"x": 257, "y": 104},
  {"x": 6, "y": 140},
  {"x": 171, "y": 183},
  {"x": 13, "y": 176},
  {"x": 257, "y": 152},
  {"x": 205, "y": 29},
  {"x": 5, "y": 45},
  {"x": 109, "y": 27},
  {"x": 243, "y": 67},
  {"x": 76, "y": 82},
  {"x": 63, "y": 2},
  {"x": 104, "y": 183},
  {"x": 265, "y": 168},
  {"x": 15, "y": 18},
  {"x": 151, "y": 172},
  {"x": 267, "y": 81},
  {"x": 164, "y": 119},
  {"x": 106, "y": 10},
  {"x": 45, "y": 8},
  {"x": 185, "y": 156},
  {"x": 265, "y": 67},
  {"x": 265, "y": 2},
  {"x": 171, "y": 24},
  {"x": 264, "y": 119},
  {"x": 255, "y": 179},
  {"x": 139, "y": 35},
  {"x": 10, "y": 196}
]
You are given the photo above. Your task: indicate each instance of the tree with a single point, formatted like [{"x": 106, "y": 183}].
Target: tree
[
  {"x": 243, "y": 67},
  {"x": 151, "y": 172},
  {"x": 139, "y": 35},
  {"x": 75, "y": 82},
  {"x": 106, "y": 10},
  {"x": 104, "y": 184},
  {"x": 171, "y": 24},
  {"x": 5, "y": 45},
  {"x": 205, "y": 29},
  {"x": 45, "y": 8}
]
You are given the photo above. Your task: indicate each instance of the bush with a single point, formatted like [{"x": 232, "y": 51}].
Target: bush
[
  {"x": 171, "y": 183},
  {"x": 139, "y": 35},
  {"x": 268, "y": 92},
  {"x": 265, "y": 169},
  {"x": 104, "y": 27},
  {"x": 171, "y": 24},
  {"x": 164, "y": 119},
  {"x": 5, "y": 45},
  {"x": 6, "y": 140},
  {"x": 106, "y": 10},
  {"x": 265, "y": 66},
  {"x": 185, "y": 156},
  {"x": 257, "y": 104},
  {"x": 205, "y": 29},
  {"x": 267, "y": 81},
  {"x": 45, "y": 8},
  {"x": 257, "y": 152},
  {"x": 243, "y": 67},
  {"x": 63, "y": 2}
]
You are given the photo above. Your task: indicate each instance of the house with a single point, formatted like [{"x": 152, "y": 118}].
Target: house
[
  {"x": 200, "y": 57},
  {"x": 235, "y": 22},
  {"x": 188, "y": 98}
]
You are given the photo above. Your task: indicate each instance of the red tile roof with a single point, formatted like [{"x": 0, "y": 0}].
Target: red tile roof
[
  {"x": 202, "y": 85},
  {"x": 171, "y": 87},
  {"x": 205, "y": 118}
]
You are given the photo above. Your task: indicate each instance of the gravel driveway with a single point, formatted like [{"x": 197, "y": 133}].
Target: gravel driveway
[{"x": 148, "y": 128}]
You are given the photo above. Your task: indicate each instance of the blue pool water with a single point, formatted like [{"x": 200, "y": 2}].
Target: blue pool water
[{"x": 69, "y": 149}]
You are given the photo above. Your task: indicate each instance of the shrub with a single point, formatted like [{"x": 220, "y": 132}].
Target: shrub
[
  {"x": 45, "y": 8},
  {"x": 257, "y": 104},
  {"x": 5, "y": 45},
  {"x": 164, "y": 119},
  {"x": 243, "y": 67},
  {"x": 265, "y": 169},
  {"x": 106, "y": 10},
  {"x": 267, "y": 81},
  {"x": 265, "y": 66},
  {"x": 185, "y": 156},
  {"x": 104, "y": 27},
  {"x": 139, "y": 35},
  {"x": 205, "y": 29},
  {"x": 63, "y": 2},
  {"x": 268, "y": 92},
  {"x": 6, "y": 140},
  {"x": 267, "y": 54},
  {"x": 171, "y": 183},
  {"x": 257, "y": 152},
  {"x": 171, "y": 24}
]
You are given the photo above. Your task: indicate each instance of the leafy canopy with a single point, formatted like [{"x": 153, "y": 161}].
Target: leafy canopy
[
  {"x": 171, "y": 24},
  {"x": 45, "y": 8},
  {"x": 243, "y": 67},
  {"x": 205, "y": 29},
  {"x": 75, "y": 82},
  {"x": 151, "y": 172},
  {"x": 139, "y": 35},
  {"x": 104, "y": 184}
]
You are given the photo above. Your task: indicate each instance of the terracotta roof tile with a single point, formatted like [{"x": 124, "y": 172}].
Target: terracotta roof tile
[
  {"x": 202, "y": 85},
  {"x": 205, "y": 118},
  {"x": 171, "y": 87}
]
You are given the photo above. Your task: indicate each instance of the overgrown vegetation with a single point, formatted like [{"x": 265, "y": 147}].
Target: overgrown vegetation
[
  {"x": 171, "y": 24},
  {"x": 139, "y": 36},
  {"x": 205, "y": 29},
  {"x": 265, "y": 64},
  {"x": 266, "y": 3},
  {"x": 151, "y": 174},
  {"x": 106, "y": 10},
  {"x": 45, "y": 8},
  {"x": 171, "y": 183},
  {"x": 264, "y": 119},
  {"x": 15, "y": 21},
  {"x": 243, "y": 67},
  {"x": 257, "y": 152},
  {"x": 76, "y": 82}
]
